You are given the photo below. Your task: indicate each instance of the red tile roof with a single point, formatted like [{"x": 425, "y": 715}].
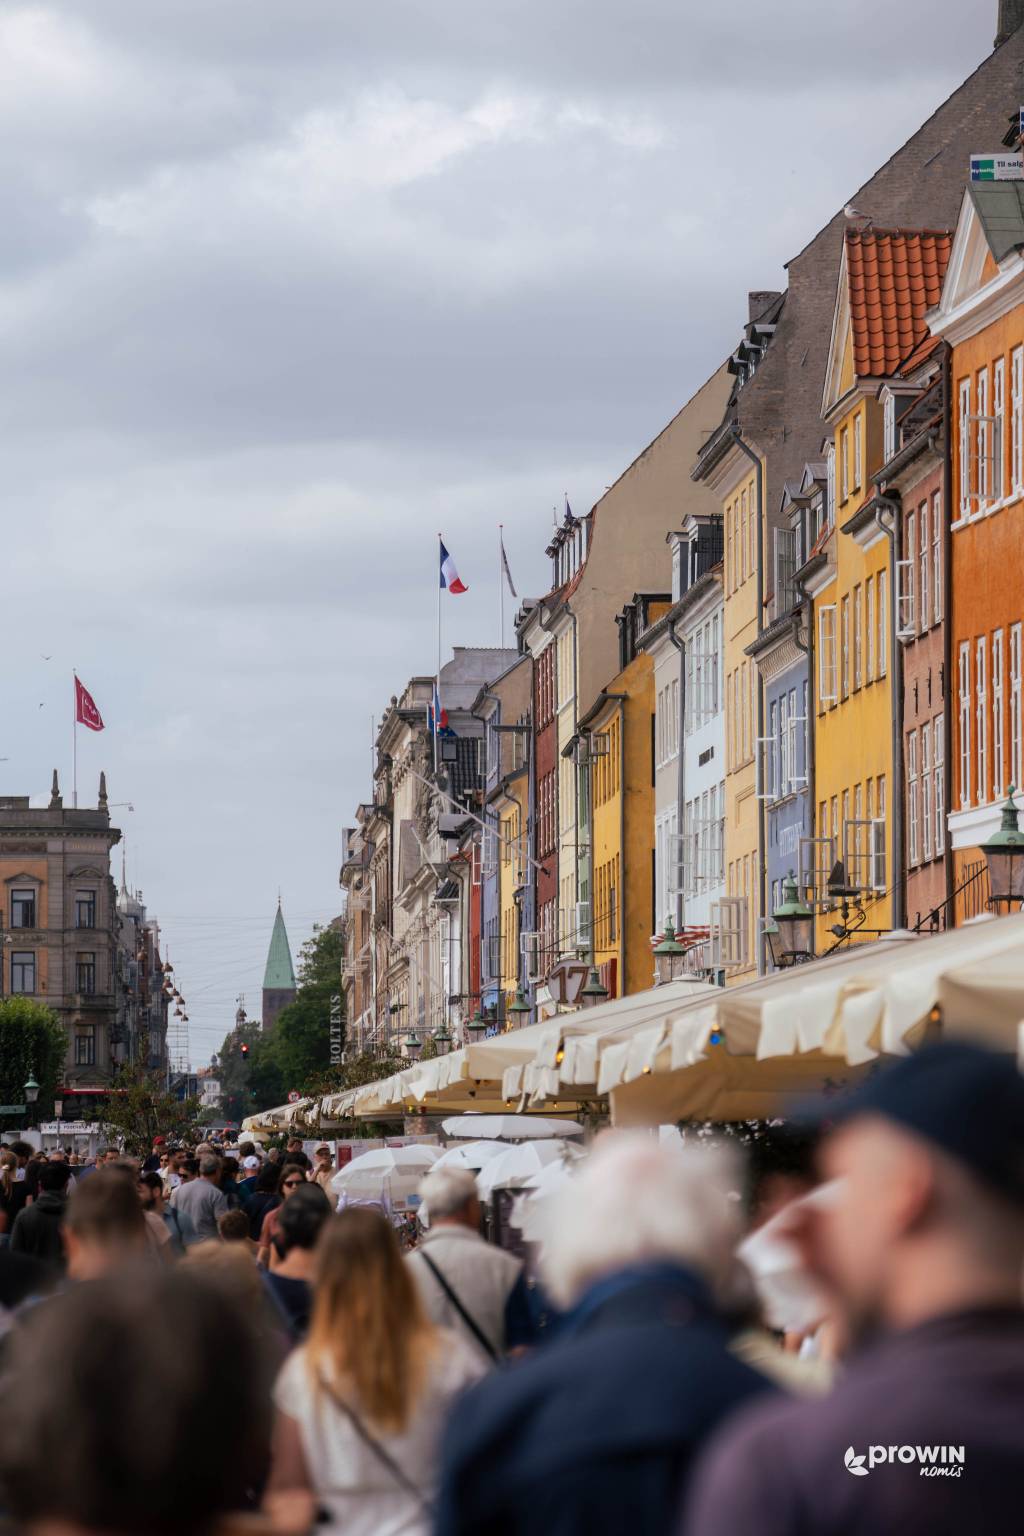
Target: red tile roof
[{"x": 895, "y": 277}]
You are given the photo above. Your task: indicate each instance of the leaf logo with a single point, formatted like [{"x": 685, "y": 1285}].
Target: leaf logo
[{"x": 855, "y": 1463}]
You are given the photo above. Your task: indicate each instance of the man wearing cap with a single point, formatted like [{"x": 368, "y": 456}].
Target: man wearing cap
[
  {"x": 152, "y": 1163},
  {"x": 922, "y": 1253},
  {"x": 247, "y": 1183}
]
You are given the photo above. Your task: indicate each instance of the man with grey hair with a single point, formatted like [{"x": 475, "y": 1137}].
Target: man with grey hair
[
  {"x": 465, "y": 1283},
  {"x": 596, "y": 1433},
  {"x": 202, "y": 1201}
]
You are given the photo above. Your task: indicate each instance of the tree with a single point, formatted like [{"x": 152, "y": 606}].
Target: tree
[
  {"x": 296, "y": 1053},
  {"x": 140, "y": 1109},
  {"x": 32, "y": 1042}
]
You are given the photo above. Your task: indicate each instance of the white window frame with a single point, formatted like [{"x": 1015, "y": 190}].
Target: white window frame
[
  {"x": 998, "y": 433},
  {"x": 830, "y": 485},
  {"x": 937, "y": 594},
  {"x": 926, "y": 792},
  {"x": 906, "y": 628},
  {"x": 883, "y": 622},
  {"x": 981, "y": 716},
  {"x": 1017, "y": 420},
  {"x": 729, "y": 933},
  {"x": 1015, "y": 705},
  {"x": 889, "y": 424},
  {"x": 869, "y": 629},
  {"x": 998, "y": 727},
  {"x": 827, "y": 678},
  {"x": 844, "y": 645},
  {"x": 964, "y": 707},
  {"x": 858, "y": 450},
  {"x": 964, "y": 447},
  {"x": 858, "y": 637},
  {"x": 913, "y": 803},
  {"x": 981, "y": 441},
  {"x": 924, "y": 556},
  {"x": 939, "y": 786}
]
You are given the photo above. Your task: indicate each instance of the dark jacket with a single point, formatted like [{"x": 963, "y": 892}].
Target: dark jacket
[
  {"x": 257, "y": 1209},
  {"x": 594, "y": 1435},
  {"x": 957, "y": 1381},
  {"x": 37, "y": 1230}
]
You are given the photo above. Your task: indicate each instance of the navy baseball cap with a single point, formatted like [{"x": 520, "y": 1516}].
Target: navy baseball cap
[{"x": 966, "y": 1100}]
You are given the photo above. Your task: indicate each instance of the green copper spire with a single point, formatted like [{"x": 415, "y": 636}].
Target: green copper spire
[{"x": 279, "y": 975}]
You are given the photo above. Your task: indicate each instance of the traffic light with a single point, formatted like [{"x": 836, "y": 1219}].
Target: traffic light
[{"x": 245, "y": 1051}]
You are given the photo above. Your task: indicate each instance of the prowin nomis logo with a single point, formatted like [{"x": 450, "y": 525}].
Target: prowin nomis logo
[{"x": 934, "y": 1460}]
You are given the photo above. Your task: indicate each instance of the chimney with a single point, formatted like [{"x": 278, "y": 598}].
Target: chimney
[
  {"x": 1011, "y": 16},
  {"x": 55, "y": 799},
  {"x": 760, "y": 299}
]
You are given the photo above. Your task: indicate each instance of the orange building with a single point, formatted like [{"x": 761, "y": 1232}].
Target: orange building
[{"x": 981, "y": 316}]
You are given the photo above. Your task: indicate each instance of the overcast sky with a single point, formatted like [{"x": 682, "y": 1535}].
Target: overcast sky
[{"x": 287, "y": 287}]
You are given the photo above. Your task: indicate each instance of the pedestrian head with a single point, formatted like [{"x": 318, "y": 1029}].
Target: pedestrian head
[
  {"x": 247, "y": 1149},
  {"x": 290, "y": 1178},
  {"x": 151, "y": 1191},
  {"x": 274, "y": 1155},
  {"x": 188, "y": 1169},
  {"x": 22, "y": 1150},
  {"x": 927, "y": 1215},
  {"x": 210, "y": 1166},
  {"x": 637, "y": 1202},
  {"x": 8, "y": 1169},
  {"x": 451, "y": 1198},
  {"x": 53, "y": 1178},
  {"x": 114, "y": 1367},
  {"x": 368, "y": 1325},
  {"x": 267, "y": 1179},
  {"x": 233, "y": 1227},
  {"x": 105, "y": 1226},
  {"x": 229, "y": 1169},
  {"x": 302, "y": 1219}
]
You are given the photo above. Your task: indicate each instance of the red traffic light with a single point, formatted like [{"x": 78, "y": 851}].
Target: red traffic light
[{"x": 245, "y": 1050}]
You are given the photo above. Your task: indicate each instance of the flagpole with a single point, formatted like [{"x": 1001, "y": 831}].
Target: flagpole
[
  {"x": 74, "y": 738},
  {"x": 501, "y": 591},
  {"x": 437, "y": 690}
]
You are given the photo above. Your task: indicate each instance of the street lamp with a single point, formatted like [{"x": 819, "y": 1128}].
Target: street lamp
[
  {"x": 1004, "y": 855},
  {"x": 442, "y": 1041},
  {"x": 793, "y": 922},
  {"x": 593, "y": 994},
  {"x": 519, "y": 1010},
  {"x": 477, "y": 1025},
  {"x": 669, "y": 956},
  {"x": 31, "y": 1089},
  {"x": 413, "y": 1045}
]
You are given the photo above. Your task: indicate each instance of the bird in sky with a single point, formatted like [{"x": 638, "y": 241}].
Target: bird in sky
[{"x": 46, "y": 658}]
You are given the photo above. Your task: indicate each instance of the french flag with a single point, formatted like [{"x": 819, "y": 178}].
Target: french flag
[{"x": 449, "y": 575}]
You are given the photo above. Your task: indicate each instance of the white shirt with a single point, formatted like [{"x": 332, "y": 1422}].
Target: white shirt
[{"x": 349, "y": 1480}]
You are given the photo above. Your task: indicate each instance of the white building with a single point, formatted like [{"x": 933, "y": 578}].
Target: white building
[{"x": 687, "y": 649}]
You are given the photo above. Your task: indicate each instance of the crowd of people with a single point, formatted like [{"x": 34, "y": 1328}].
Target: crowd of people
[{"x": 630, "y": 1374}]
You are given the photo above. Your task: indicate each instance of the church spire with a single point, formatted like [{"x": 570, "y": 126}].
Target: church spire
[{"x": 279, "y": 976}]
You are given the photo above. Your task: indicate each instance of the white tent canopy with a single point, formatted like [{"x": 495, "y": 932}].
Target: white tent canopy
[{"x": 509, "y": 1127}]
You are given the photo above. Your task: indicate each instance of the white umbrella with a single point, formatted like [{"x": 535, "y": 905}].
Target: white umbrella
[
  {"x": 388, "y": 1173},
  {"x": 528, "y": 1213},
  {"x": 517, "y": 1165},
  {"x": 510, "y": 1127},
  {"x": 471, "y": 1155}
]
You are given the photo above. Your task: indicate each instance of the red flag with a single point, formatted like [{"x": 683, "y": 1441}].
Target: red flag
[{"x": 86, "y": 712}]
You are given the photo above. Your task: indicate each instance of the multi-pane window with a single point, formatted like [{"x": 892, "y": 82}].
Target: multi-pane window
[
  {"x": 1015, "y": 703},
  {"x": 858, "y": 450},
  {"x": 998, "y": 749},
  {"x": 926, "y": 791},
  {"x": 844, "y": 642},
  {"x": 981, "y": 709},
  {"x": 85, "y": 909},
  {"x": 913, "y": 800},
  {"x": 889, "y": 425},
  {"x": 939, "y": 783},
  {"x": 983, "y": 481},
  {"x": 997, "y": 442},
  {"x": 964, "y": 447},
  {"x": 924, "y": 559},
  {"x": 883, "y": 621},
  {"x": 23, "y": 909},
  {"x": 85, "y": 973},
  {"x": 827, "y": 654},
  {"x": 905, "y": 573},
  {"x": 1017, "y": 420},
  {"x": 830, "y": 481},
  {"x": 869, "y": 629},
  {"x": 937, "y": 557},
  {"x": 858, "y": 636},
  {"x": 844, "y": 464},
  {"x": 85, "y": 1047},
  {"x": 23, "y": 971},
  {"x": 964, "y": 707}
]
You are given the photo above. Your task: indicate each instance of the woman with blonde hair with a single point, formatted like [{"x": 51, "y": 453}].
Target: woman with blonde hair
[
  {"x": 8, "y": 1203},
  {"x": 362, "y": 1405}
]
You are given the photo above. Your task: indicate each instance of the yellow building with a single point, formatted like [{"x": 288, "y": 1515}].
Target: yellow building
[
  {"x": 887, "y": 282},
  {"x": 513, "y": 869},
  {"x": 616, "y": 743},
  {"x": 730, "y": 473}
]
